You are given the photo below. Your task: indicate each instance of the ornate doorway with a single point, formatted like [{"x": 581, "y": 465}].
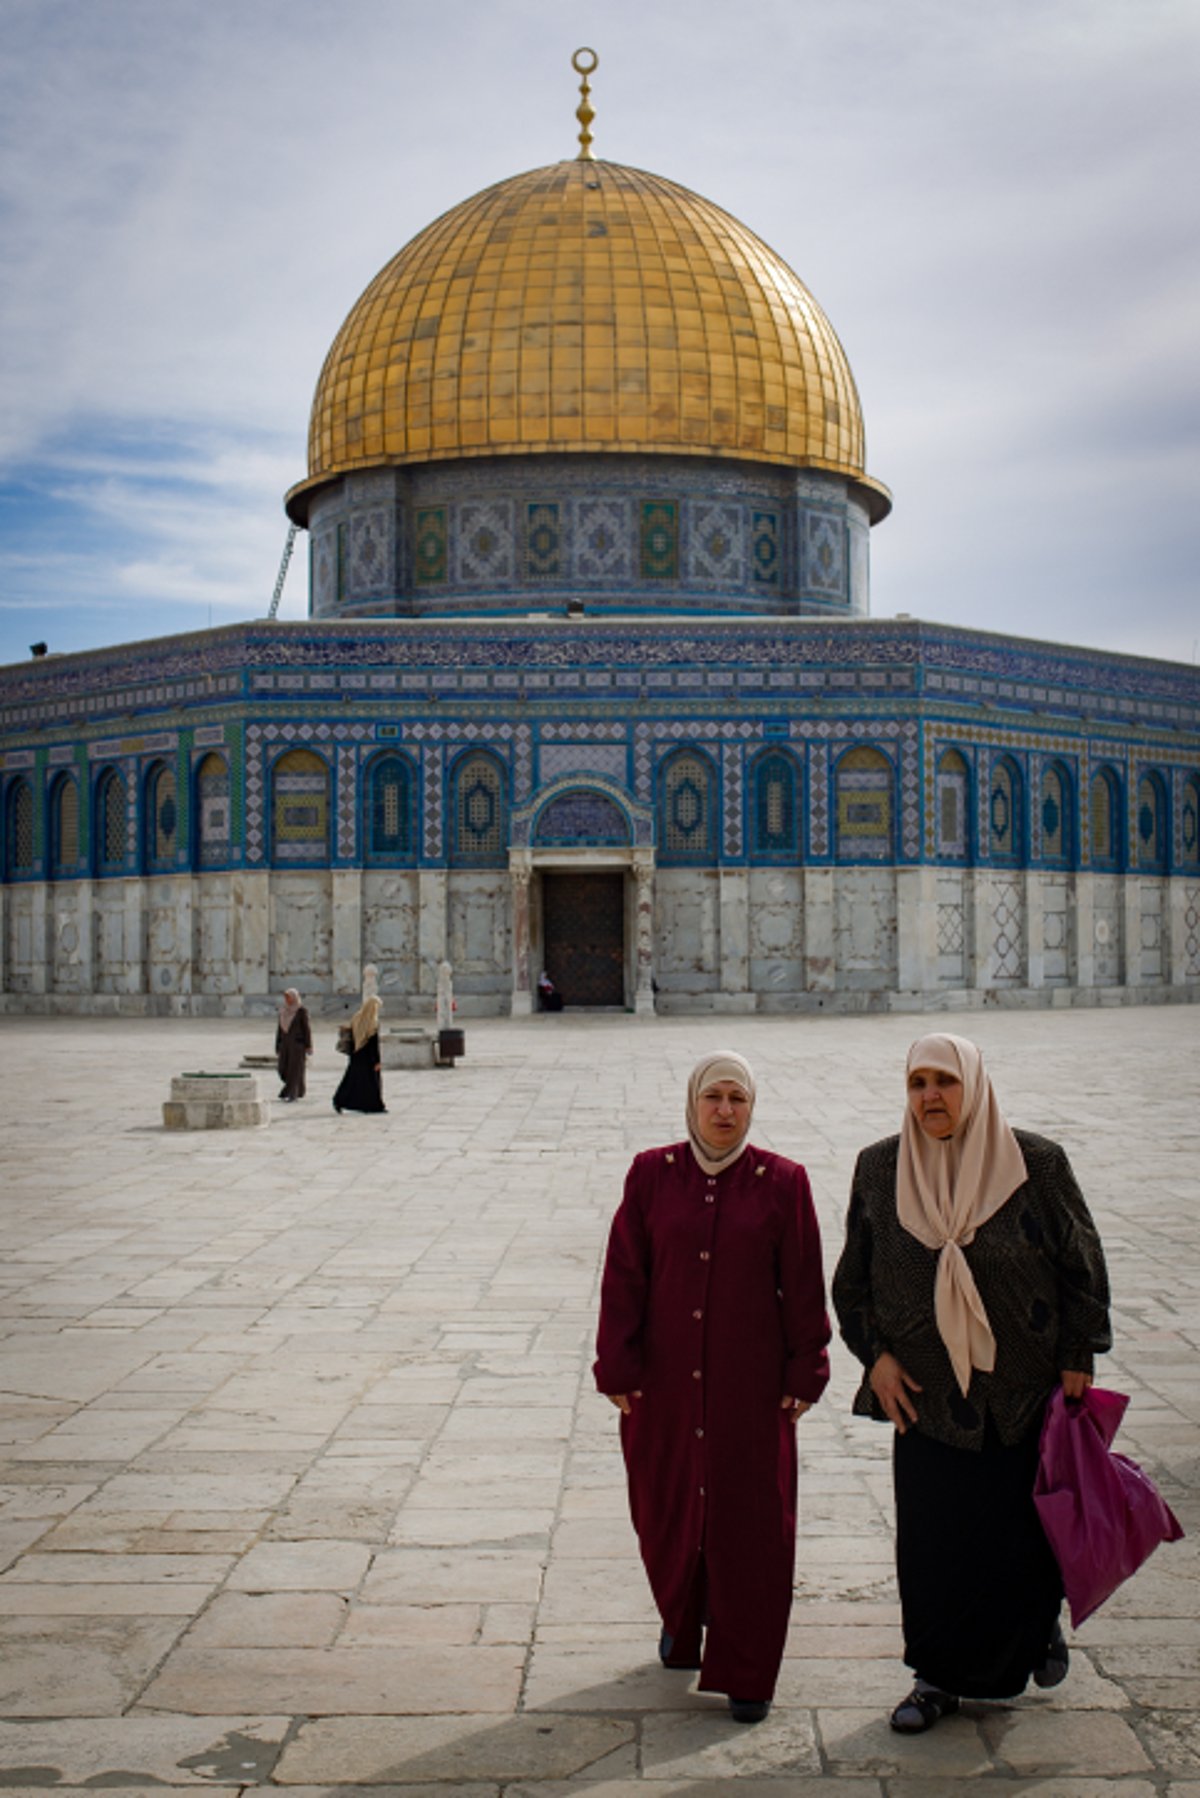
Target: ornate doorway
[{"x": 583, "y": 935}]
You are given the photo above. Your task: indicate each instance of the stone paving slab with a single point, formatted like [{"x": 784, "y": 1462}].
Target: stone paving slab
[{"x": 303, "y": 1481}]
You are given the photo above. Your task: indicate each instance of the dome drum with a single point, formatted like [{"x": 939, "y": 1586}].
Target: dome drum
[{"x": 617, "y": 533}]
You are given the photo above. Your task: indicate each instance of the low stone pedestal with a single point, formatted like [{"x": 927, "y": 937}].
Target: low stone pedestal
[
  {"x": 411, "y": 1048},
  {"x": 257, "y": 1062},
  {"x": 215, "y": 1102}
]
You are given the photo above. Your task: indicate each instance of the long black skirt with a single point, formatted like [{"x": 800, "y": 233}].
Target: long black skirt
[
  {"x": 980, "y": 1589},
  {"x": 360, "y": 1088}
]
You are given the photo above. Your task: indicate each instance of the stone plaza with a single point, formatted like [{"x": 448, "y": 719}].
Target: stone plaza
[{"x": 306, "y": 1483}]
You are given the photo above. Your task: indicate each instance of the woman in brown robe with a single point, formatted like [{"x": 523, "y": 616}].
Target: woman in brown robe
[
  {"x": 971, "y": 1284},
  {"x": 361, "y": 1088},
  {"x": 293, "y": 1045},
  {"x": 712, "y": 1343}
]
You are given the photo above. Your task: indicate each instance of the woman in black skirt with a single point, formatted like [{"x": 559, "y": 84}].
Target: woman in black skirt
[
  {"x": 361, "y": 1086},
  {"x": 972, "y": 1282}
]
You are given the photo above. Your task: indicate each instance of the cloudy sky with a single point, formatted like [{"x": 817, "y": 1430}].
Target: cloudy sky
[{"x": 997, "y": 205}]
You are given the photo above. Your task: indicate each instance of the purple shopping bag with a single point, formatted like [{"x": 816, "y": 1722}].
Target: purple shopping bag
[{"x": 1102, "y": 1515}]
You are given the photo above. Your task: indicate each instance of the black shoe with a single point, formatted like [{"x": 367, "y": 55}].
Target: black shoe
[
  {"x": 921, "y": 1710},
  {"x": 749, "y": 1710},
  {"x": 666, "y": 1645},
  {"x": 337, "y": 1108},
  {"x": 1053, "y": 1669}
]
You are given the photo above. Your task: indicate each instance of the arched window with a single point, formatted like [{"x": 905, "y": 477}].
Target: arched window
[
  {"x": 1056, "y": 820},
  {"x": 212, "y": 812},
  {"x": 774, "y": 813},
  {"x": 953, "y": 790},
  {"x": 1151, "y": 822},
  {"x": 389, "y": 823},
  {"x": 19, "y": 827},
  {"x": 160, "y": 818},
  {"x": 1104, "y": 821},
  {"x": 864, "y": 806},
  {"x": 687, "y": 813},
  {"x": 480, "y": 825},
  {"x": 111, "y": 833},
  {"x": 1189, "y": 820},
  {"x": 64, "y": 828},
  {"x": 1006, "y": 830},
  {"x": 300, "y": 809}
]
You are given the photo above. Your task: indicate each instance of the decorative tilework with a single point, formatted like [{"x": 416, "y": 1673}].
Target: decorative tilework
[
  {"x": 555, "y": 759},
  {"x": 543, "y": 541},
  {"x": 818, "y": 798},
  {"x": 774, "y": 811},
  {"x": 1189, "y": 823},
  {"x": 432, "y": 776},
  {"x": 824, "y": 553},
  {"x": 864, "y": 806},
  {"x": 431, "y": 560},
  {"x": 369, "y": 544},
  {"x": 716, "y": 543},
  {"x": 765, "y": 548},
  {"x": 603, "y": 540},
  {"x": 522, "y": 742},
  {"x": 581, "y": 817},
  {"x": 347, "y": 810},
  {"x": 483, "y": 541},
  {"x": 643, "y": 769},
  {"x": 731, "y": 786},
  {"x": 952, "y": 792},
  {"x": 479, "y": 813},
  {"x": 659, "y": 541}
]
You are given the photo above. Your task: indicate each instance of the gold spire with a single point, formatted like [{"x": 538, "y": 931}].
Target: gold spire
[{"x": 584, "y": 111}]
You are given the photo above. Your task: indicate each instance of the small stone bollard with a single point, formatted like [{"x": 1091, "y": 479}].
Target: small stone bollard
[
  {"x": 215, "y": 1102},
  {"x": 406, "y": 1048}
]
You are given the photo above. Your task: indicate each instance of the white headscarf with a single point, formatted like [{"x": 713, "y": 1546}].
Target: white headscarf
[
  {"x": 722, "y": 1064},
  {"x": 946, "y": 1188},
  {"x": 289, "y": 1009}
]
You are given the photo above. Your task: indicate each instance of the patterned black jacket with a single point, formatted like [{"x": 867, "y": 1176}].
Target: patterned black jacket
[{"x": 1040, "y": 1271}]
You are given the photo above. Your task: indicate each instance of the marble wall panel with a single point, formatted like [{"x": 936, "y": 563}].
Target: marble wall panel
[
  {"x": 1107, "y": 915},
  {"x": 1150, "y": 963},
  {"x": 301, "y": 930},
  {"x": 213, "y": 968},
  {"x": 108, "y": 942},
  {"x": 390, "y": 908},
  {"x": 776, "y": 930},
  {"x": 68, "y": 972},
  {"x": 687, "y": 937},
  {"x": 19, "y": 954},
  {"x": 1058, "y": 937},
  {"x": 865, "y": 929},
  {"x": 478, "y": 929}
]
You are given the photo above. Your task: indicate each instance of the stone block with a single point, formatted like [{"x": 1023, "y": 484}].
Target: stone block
[
  {"x": 406, "y": 1048},
  {"x": 215, "y": 1102}
]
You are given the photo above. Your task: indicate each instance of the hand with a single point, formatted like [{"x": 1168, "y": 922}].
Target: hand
[
  {"x": 795, "y": 1407},
  {"x": 891, "y": 1386},
  {"x": 1074, "y": 1385},
  {"x": 621, "y": 1401}
]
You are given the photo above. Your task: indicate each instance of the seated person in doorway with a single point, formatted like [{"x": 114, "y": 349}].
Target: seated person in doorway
[{"x": 549, "y": 996}]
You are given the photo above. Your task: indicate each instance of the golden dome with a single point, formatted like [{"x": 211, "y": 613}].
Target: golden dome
[{"x": 586, "y": 307}]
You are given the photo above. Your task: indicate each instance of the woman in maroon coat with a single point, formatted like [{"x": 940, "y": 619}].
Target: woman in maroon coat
[{"x": 712, "y": 1343}]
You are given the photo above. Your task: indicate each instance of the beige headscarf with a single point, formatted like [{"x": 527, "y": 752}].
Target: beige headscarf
[
  {"x": 945, "y": 1189},
  {"x": 722, "y": 1064},
  {"x": 289, "y": 1008},
  {"x": 365, "y": 1021}
]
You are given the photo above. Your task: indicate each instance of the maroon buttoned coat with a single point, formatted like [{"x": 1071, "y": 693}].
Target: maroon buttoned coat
[{"x": 713, "y": 1308}]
